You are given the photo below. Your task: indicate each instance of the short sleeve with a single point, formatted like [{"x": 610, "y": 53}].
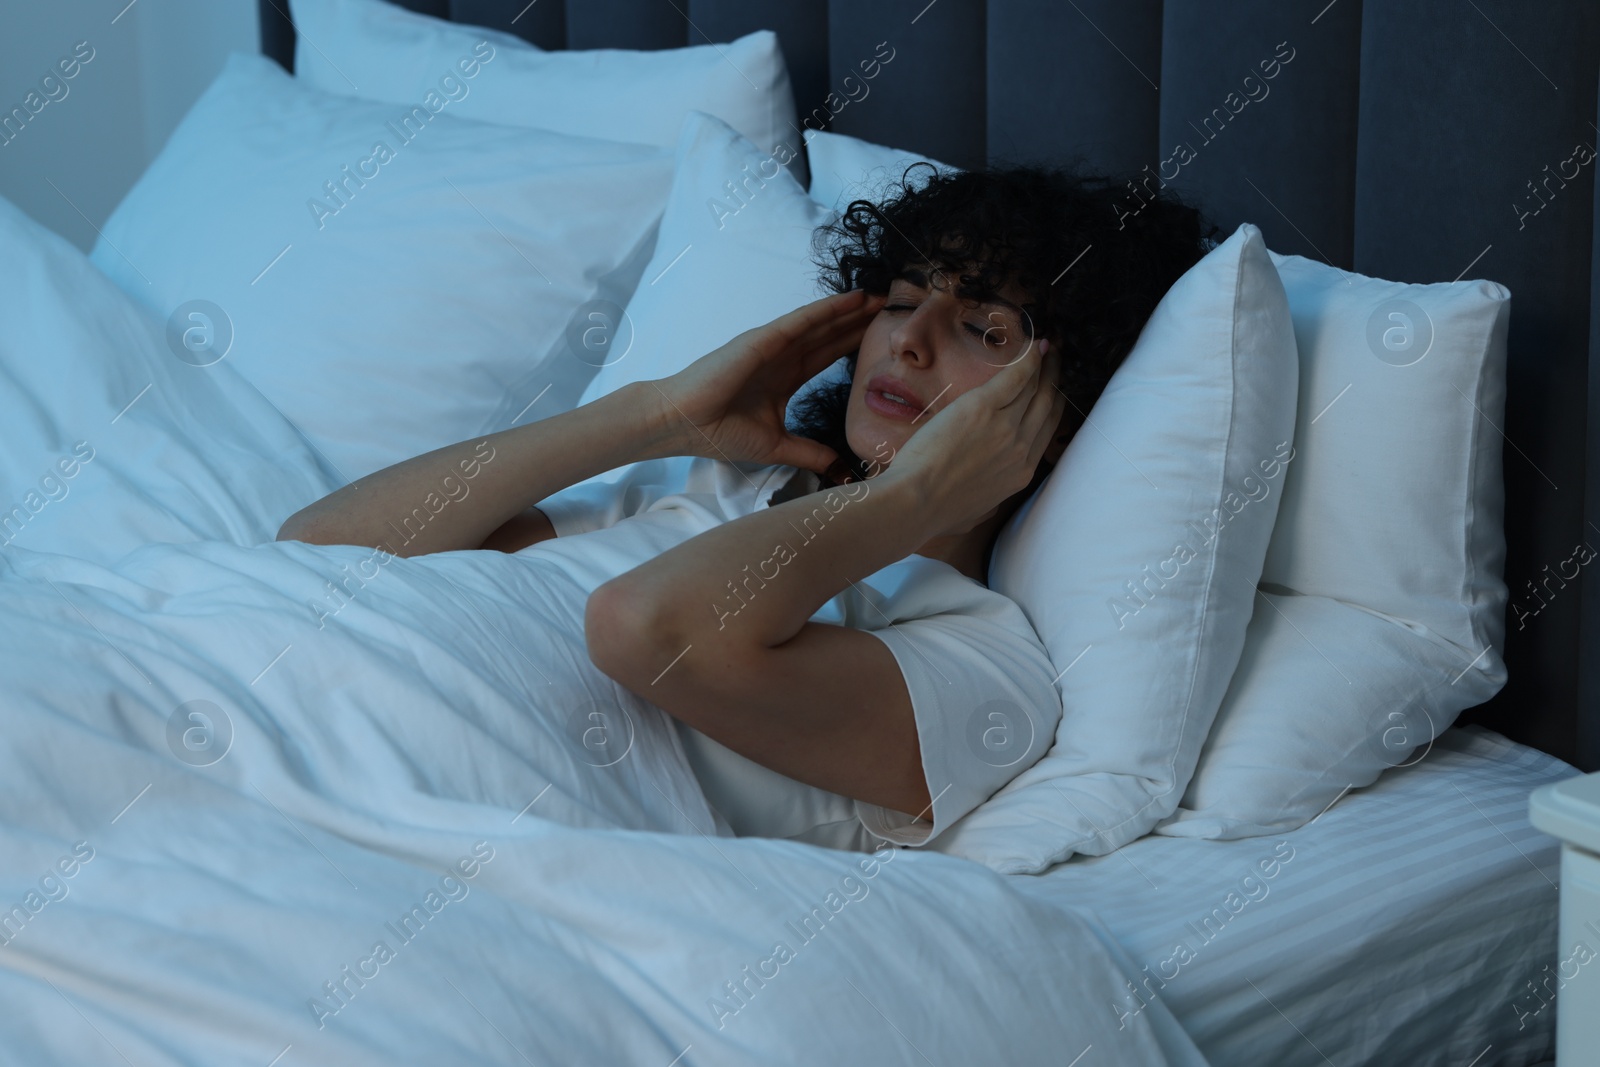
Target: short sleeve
[
  {"x": 983, "y": 690},
  {"x": 605, "y": 500}
]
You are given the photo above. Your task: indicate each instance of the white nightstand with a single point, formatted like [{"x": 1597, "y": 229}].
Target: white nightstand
[{"x": 1570, "y": 810}]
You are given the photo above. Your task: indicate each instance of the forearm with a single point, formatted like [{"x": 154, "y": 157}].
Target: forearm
[
  {"x": 454, "y": 497},
  {"x": 760, "y": 578}
]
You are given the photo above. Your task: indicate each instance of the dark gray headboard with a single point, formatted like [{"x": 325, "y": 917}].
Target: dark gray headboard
[{"x": 1405, "y": 139}]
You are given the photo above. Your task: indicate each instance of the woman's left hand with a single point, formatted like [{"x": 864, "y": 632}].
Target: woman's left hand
[
  {"x": 985, "y": 445},
  {"x": 730, "y": 403}
]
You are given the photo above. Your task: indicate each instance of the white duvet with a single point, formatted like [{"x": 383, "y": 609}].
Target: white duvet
[{"x": 249, "y": 819}]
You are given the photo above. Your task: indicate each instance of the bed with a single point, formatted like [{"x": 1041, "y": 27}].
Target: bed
[{"x": 225, "y": 799}]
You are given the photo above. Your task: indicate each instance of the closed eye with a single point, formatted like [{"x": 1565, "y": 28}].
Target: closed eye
[{"x": 980, "y": 332}]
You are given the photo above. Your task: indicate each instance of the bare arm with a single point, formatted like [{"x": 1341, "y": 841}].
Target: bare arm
[
  {"x": 480, "y": 493},
  {"x": 823, "y": 704},
  {"x": 716, "y": 631}
]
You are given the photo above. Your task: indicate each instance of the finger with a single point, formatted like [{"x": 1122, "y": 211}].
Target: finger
[
  {"x": 1038, "y": 446},
  {"x": 1037, "y": 430},
  {"x": 792, "y": 326},
  {"x": 822, "y": 347},
  {"x": 838, "y": 342},
  {"x": 1038, "y": 407},
  {"x": 796, "y": 325},
  {"x": 799, "y": 364},
  {"x": 1018, "y": 382},
  {"x": 849, "y": 322},
  {"x": 787, "y": 347},
  {"x": 1043, "y": 411},
  {"x": 805, "y": 453},
  {"x": 1012, "y": 353}
]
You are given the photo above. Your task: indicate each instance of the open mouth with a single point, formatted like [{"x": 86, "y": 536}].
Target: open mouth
[{"x": 893, "y": 405}]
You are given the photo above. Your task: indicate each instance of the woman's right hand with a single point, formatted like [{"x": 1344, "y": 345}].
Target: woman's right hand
[{"x": 730, "y": 403}]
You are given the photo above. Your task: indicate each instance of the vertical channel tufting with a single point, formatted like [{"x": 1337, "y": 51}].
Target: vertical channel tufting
[
  {"x": 928, "y": 92},
  {"x": 1074, "y": 79},
  {"x": 802, "y": 30},
  {"x": 1588, "y": 725},
  {"x": 642, "y": 25},
  {"x": 1258, "y": 103},
  {"x": 543, "y": 23},
  {"x": 1454, "y": 178}
]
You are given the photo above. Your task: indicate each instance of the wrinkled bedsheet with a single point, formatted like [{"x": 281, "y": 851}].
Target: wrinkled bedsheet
[{"x": 274, "y": 804}]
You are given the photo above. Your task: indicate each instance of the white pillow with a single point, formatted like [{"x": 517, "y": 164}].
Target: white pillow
[
  {"x": 430, "y": 302},
  {"x": 1421, "y": 370},
  {"x": 1137, "y": 559},
  {"x": 1384, "y": 573},
  {"x": 845, "y": 168},
  {"x": 721, "y": 266},
  {"x": 379, "y": 51},
  {"x": 109, "y": 439}
]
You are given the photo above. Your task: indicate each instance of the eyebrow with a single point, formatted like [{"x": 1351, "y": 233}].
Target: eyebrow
[{"x": 920, "y": 280}]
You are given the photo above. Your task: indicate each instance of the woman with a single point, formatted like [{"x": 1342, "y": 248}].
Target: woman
[{"x": 810, "y": 609}]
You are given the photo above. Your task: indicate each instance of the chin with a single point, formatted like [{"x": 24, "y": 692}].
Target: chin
[{"x": 874, "y": 440}]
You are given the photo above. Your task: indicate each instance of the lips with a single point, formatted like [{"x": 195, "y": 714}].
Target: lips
[{"x": 893, "y": 397}]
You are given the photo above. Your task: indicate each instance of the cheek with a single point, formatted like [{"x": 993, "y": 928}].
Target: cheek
[
  {"x": 869, "y": 360},
  {"x": 968, "y": 375},
  {"x": 875, "y": 341}
]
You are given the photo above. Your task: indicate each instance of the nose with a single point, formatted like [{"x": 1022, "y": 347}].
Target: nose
[{"x": 912, "y": 338}]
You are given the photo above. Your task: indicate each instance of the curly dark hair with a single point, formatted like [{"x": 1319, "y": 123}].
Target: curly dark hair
[{"x": 1093, "y": 261}]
